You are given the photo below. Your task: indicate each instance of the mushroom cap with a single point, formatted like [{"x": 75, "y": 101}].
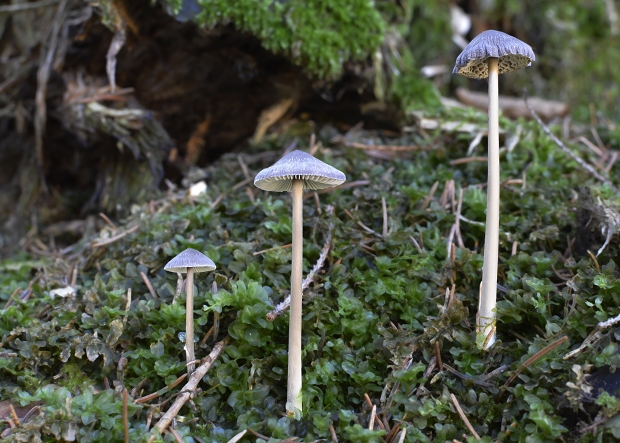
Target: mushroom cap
[
  {"x": 190, "y": 258},
  {"x": 512, "y": 54},
  {"x": 298, "y": 165}
]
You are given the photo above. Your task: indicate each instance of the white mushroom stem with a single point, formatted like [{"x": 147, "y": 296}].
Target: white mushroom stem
[
  {"x": 189, "y": 320},
  {"x": 293, "y": 396},
  {"x": 485, "y": 336}
]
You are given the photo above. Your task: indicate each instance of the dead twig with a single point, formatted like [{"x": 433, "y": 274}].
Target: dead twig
[
  {"x": 284, "y": 305},
  {"x": 332, "y": 431},
  {"x": 382, "y": 148},
  {"x": 162, "y": 391},
  {"x": 467, "y": 377},
  {"x": 238, "y": 437},
  {"x": 125, "y": 416},
  {"x": 460, "y": 161},
  {"x": 385, "y": 218},
  {"x": 369, "y": 402},
  {"x": 190, "y": 387},
  {"x": 176, "y": 435},
  {"x": 110, "y": 240},
  {"x": 149, "y": 286},
  {"x": 567, "y": 151},
  {"x": 257, "y": 435},
  {"x": 272, "y": 249},
  {"x": 464, "y": 417},
  {"x": 337, "y": 188},
  {"x": 529, "y": 362},
  {"x": 373, "y": 416}
]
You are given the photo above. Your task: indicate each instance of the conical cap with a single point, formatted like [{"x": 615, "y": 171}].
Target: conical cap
[
  {"x": 512, "y": 54},
  {"x": 190, "y": 258},
  {"x": 298, "y": 165}
]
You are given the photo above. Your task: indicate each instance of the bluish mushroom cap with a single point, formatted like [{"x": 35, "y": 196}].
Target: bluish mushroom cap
[
  {"x": 190, "y": 258},
  {"x": 298, "y": 165},
  {"x": 512, "y": 54}
]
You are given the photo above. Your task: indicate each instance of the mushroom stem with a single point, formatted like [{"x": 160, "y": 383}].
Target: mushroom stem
[
  {"x": 485, "y": 336},
  {"x": 293, "y": 397},
  {"x": 189, "y": 319}
]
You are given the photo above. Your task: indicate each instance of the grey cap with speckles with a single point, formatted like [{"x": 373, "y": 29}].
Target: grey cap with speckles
[
  {"x": 190, "y": 258},
  {"x": 512, "y": 54},
  {"x": 298, "y": 165}
]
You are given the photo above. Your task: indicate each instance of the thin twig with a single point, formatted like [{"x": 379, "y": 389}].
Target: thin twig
[
  {"x": 338, "y": 188},
  {"x": 529, "y": 361},
  {"x": 367, "y": 229},
  {"x": 460, "y": 161},
  {"x": 567, "y": 151},
  {"x": 244, "y": 168},
  {"x": 373, "y": 416},
  {"x": 416, "y": 244},
  {"x": 125, "y": 416},
  {"x": 430, "y": 195},
  {"x": 272, "y": 249},
  {"x": 148, "y": 284},
  {"x": 369, "y": 402},
  {"x": 162, "y": 391},
  {"x": 238, "y": 437},
  {"x": 467, "y": 377},
  {"x": 142, "y": 383},
  {"x": 385, "y": 217},
  {"x": 332, "y": 431},
  {"x": 107, "y": 220},
  {"x": 14, "y": 415},
  {"x": 464, "y": 417},
  {"x": 115, "y": 238},
  {"x": 175, "y": 434},
  {"x": 438, "y": 356},
  {"x": 384, "y": 148},
  {"x": 190, "y": 387},
  {"x": 284, "y": 305},
  {"x": 257, "y": 435}
]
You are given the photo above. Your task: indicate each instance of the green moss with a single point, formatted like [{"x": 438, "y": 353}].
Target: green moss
[
  {"x": 371, "y": 319},
  {"x": 320, "y": 35}
]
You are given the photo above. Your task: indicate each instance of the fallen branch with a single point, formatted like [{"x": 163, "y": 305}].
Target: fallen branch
[
  {"x": 513, "y": 107},
  {"x": 384, "y": 148},
  {"x": 284, "y": 305},
  {"x": 190, "y": 387},
  {"x": 567, "y": 151}
]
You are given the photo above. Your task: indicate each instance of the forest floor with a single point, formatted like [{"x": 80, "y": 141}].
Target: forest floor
[{"x": 389, "y": 347}]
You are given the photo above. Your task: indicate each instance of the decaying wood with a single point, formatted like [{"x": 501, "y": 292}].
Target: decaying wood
[{"x": 514, "y": 107}]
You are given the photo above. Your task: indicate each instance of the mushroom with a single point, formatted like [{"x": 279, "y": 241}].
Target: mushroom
[
  {"x": 190, "y": 261},
  {"x": 489, "y": 54},
  {"x": 295, "y": 172}
]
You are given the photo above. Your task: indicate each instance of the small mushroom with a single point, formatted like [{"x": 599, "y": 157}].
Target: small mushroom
[
  {"x": 489, "y": 54},
  {"x": 190, "y": 261},
  {"x": 295, "y": 172}
]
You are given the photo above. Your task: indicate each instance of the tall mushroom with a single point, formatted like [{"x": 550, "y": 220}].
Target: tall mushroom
[
  {"x": 295, "y": 172},
  {"x": 489, "y": 54},
  {"x": 190, "y": 261}
]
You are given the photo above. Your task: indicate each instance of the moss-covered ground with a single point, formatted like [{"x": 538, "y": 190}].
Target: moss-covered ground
[{"x": 389, "y": 300}]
